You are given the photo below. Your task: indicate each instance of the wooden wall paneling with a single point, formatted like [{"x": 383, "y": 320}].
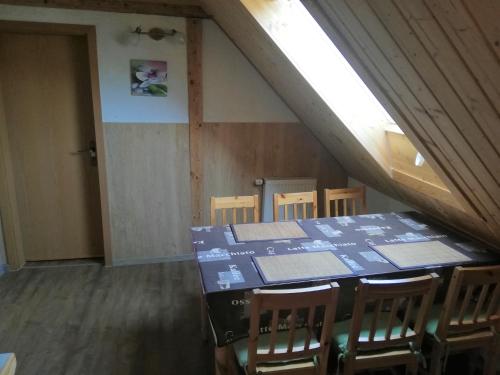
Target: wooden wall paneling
[
  {"x": 180, "y": 8},
  {"x": 454, "y": 120},
  {"x": 452, "y": 82},
  {"x": 356, "y": 38},
  {"x": 248, "y": 35},
  {"x": 448, "y": 215},
  {"x": 403, "y": 155},
  {"x": 9, "y": 212},
  {"x": 148, "y": 168},
  {"x": 194, "y": 31},
  {"x": 472, "y": 27},
  {"x": 485, "y": 14},
  {"x": 235, "y": 154},
  {"x": 428, "y": 188},
  {"x": 410, "y": 101},
  {"x": 420, "y": 100}
]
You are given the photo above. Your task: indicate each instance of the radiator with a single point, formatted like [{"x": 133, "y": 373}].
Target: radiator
[{"x": 282, "y": 185}]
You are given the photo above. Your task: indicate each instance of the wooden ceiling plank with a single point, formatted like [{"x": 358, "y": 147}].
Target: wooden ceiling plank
[
  {"x": 382, "y": 54},
  {"x": 391, "y": 89},
  {"x": 164, "y": 8},
  {"x": 393, "y": 78},
  {"x": 469, "y": 40},
  {"x": 484, "y": 13},
  {"x": 454, "y": 67},
  {"x": 455, "y": 121}
]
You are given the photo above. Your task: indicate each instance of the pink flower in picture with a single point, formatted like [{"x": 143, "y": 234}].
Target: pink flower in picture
[{"x": 148, "y": 77}]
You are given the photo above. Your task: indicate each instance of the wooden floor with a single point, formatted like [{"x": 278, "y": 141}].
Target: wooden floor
[
  {"x": 88, "y": 320},
  {"x": 92, "y": 320}
]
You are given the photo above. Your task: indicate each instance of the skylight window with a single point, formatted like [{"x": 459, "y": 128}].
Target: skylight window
[
  {"x": 312, "y": 52},
  {"x": 297, "y": 34}
]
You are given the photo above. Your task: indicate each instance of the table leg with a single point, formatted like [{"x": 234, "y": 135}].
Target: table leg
[
  {"x": 204, "y": 317},
  {"x": 225, "y": 363}
]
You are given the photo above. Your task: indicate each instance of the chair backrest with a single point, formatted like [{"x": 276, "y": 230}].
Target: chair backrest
[
  {"x": 306, "y": 302},
  {"x": 472, "y": 301},
  {"x": 413, "y": 295},
  {"x": 299, "y": 203},
  {"x": 343, "y": 198},
  {"x": 234, "y": 203}
]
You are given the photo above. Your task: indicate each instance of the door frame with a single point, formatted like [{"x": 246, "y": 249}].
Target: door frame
[{"x": 10, "y": 217}]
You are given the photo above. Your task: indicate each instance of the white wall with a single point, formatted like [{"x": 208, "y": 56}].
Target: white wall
[
  {"x": 233, "y": 90},
  {"x": 378, "y": 202},
  {"x": 114, "y": 55}
]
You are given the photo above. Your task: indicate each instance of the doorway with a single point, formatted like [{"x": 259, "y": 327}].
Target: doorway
[{"x": 51, "y": 129}]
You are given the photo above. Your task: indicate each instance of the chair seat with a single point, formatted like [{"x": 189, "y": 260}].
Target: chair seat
[
  {"x": 241, "y": 346},
  {"x": 434, "y": 315},
  {"x": 342, "y": 329}
]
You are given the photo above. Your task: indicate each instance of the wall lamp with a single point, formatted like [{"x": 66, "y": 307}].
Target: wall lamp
[{"x": 157, "y": 33}]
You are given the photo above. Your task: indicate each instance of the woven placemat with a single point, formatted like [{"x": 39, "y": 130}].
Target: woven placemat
[
  {"x": 268, "y": 231},
  {"x": 418, "y": 254},
  {"x": 302, "y": 266}
]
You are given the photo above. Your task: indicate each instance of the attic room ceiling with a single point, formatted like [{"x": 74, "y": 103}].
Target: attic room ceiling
[{"x": 431, "y": 64}]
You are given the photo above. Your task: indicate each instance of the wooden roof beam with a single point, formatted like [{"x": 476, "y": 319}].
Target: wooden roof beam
[{"x": 179, "y": 8}]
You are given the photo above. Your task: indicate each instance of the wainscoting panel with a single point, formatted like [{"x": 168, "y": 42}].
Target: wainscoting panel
[
  {"x": 235, "y": 154},
  {"x": 149, "y": 191}
]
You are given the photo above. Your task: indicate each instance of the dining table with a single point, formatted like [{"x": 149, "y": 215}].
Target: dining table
[{"x": 235, "y": 259}]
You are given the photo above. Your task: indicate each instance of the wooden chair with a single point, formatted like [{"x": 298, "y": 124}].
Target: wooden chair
[
  {"x": 234, "y": 203},
  {"x": 296, "y": 200},
  {"x": 223, "y": 204},
  {"x": 296, "y": 350},
  {"x": 470, "y": 317},
  {"x": 352, "y": 195},
  {"x": 377, "y": 338}
]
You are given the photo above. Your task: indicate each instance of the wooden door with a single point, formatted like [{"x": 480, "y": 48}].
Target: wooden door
[{"x": 45, "y": 82}]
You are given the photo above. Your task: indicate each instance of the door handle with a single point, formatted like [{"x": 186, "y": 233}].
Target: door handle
[{"x": 90, "y": 151}]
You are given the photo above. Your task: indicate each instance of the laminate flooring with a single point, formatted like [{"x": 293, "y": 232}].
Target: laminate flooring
[
  {"x": 93, "y": 320},
  {"x": 84, "y": 319}
]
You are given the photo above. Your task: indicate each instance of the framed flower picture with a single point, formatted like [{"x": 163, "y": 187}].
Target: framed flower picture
[{"x": 148, "y": 78}]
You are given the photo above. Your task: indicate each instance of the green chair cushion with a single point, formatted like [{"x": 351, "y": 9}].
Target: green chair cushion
[
  {"x": 433, "y": 320},
  {"x": 434, "y": 315},
  {"x": 341, "y": 329},
  {"x": 241, "y": 346}
]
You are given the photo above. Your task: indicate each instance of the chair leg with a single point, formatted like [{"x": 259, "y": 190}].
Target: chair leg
[
  {"x": 436, "y": 358},
  {"x": 412, "y": 367},
  {"x": 225, "y": 363},
  {"x": 349, "y": 368},
  {"x": 491, "y": 357}
]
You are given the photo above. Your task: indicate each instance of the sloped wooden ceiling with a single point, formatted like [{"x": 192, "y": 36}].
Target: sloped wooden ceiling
[{"x": 434, "y": 65}]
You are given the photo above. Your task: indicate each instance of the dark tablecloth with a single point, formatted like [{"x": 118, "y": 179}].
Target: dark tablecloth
[{"x": 228, "y": 273}]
